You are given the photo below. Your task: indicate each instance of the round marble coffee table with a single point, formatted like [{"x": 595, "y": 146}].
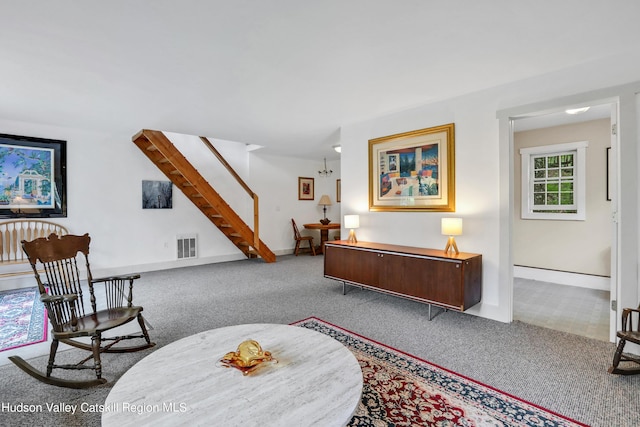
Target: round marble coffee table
[{"x": 317, "y": 381}]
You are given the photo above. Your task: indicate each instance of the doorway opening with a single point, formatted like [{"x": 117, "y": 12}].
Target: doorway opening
[{"x": 564, "y": 268}]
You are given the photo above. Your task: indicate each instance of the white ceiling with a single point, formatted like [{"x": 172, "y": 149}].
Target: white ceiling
[
  {"x": 559, "y": 118},
  {"x": 284, "y": 74}
]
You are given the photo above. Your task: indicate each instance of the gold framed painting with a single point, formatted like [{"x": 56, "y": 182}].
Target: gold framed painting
[{"x": 413, "y": 171}]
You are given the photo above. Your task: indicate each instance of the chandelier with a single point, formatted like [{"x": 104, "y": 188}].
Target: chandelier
[{"x": 325, "y": 172}]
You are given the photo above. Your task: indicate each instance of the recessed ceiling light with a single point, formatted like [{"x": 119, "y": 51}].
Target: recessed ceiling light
[
  {"x": 338, "y": 148},
  {"x": 577, "y": 110}
]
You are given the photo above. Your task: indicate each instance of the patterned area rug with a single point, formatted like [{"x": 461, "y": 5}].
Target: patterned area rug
[
  {"x": 23, "y": 318},
  {"x": 402, "y": 390}
]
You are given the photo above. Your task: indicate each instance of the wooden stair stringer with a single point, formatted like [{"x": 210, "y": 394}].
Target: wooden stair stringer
[{"x": 159, "y": 149}]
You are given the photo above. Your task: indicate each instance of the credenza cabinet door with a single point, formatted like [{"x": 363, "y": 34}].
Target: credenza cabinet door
[
  {"x": 352, "y": 265},
  {"x": 425, "y": 278}
]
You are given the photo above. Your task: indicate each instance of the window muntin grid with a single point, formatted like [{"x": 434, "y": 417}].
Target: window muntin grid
[{"x": 553, "y": 182}]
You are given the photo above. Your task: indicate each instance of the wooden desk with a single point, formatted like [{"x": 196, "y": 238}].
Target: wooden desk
[
  {"x": 317, "y": 381},
  {"x": 324, "y": 231}
]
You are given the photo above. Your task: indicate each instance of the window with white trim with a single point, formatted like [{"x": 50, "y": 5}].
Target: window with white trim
[{"x": 554, "y": 181}]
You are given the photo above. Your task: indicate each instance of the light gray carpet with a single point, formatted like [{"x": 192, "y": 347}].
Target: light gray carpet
[{"x": 556, "y": 370}]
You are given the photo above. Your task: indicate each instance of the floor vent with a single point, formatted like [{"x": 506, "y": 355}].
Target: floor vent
[{"x": 187, "y": 246}]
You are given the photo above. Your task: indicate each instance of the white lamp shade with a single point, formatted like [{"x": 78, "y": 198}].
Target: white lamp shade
[
  {"x": 451, "y": 226},
  {"x": 325, "y": 200},
  {"x": 352, "y": 221}
]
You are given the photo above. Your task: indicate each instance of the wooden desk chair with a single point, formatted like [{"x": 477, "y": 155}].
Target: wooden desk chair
[
  {"x": 62, "y": 295},
  {"x": 300, "y": 238},
  {"x": 630, "y": 332}
]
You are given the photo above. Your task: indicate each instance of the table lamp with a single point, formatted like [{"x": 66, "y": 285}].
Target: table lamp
[
  {"x": 352, "y": 222},
  {"x": 324, "y": 202},
  {"x": 451, "y": 227}
]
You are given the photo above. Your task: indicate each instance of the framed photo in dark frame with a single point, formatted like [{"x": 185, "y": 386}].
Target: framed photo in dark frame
[
  {"x": 157, "y": 194},
  {"x": 305, "y": 188},
  {"x": 33, "y": 177}
]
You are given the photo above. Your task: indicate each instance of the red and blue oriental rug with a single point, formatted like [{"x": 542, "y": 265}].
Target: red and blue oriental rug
[
  {"x": 23, "y": 318},
  {"x": 402, "y": 390}
]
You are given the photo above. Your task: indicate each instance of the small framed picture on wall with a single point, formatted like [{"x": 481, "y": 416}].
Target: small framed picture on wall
[
  {"x": 305, "y": 188},
  {"x": 157, "y": 194}
]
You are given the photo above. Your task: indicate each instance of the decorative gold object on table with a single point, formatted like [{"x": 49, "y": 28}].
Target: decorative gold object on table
[{"x": 247, "y": 357}]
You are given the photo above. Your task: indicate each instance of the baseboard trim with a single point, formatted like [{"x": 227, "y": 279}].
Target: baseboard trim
[
  {"x": 166, "y": 265},
  {"x": 564, "y": 278}
]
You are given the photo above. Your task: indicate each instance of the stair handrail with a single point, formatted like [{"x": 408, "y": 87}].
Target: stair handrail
[{"x": 254, "y": 196}]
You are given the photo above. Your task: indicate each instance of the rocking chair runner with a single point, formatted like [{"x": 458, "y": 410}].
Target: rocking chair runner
[
  {"x": 66, "y": 307},
  {"x": 630, "y": 332}
]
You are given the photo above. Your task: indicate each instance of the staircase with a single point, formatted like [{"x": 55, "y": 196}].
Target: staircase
[{"x": 157, "y": 147}]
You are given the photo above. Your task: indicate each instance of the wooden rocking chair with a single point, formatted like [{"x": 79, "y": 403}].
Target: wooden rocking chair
[
  {"x": 630, "y": 332},
  {"x": 62, "y": 296}
]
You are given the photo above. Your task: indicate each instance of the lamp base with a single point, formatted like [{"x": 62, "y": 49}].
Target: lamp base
[
  {"x": 325, "y": 221},
  {"x": 451, "y": 247},
  {"x": 352, "y": 237}
]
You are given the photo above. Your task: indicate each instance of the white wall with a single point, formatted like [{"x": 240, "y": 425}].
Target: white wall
[
  {"x": 276, "y": 180},
  {"x": 477, "y": 178},
  {"x": 484, "y": 196},
  {"x": 104, "y": 175}
]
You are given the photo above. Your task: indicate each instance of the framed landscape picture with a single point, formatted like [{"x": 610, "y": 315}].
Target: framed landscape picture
[
  {"x": 413, "y": 171},
  {"x": 157, "y": 194},
  {"x": 305, "y": 188},
  {"x": 33, "y": 177}
]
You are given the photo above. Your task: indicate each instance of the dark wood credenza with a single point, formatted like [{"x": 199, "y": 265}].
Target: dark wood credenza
[{"x": 426, "y": 275}]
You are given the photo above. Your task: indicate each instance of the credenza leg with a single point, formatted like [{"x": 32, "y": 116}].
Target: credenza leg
[
  {"x": 344, "y": 288},
  {"x": 442, "y": 311}
]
